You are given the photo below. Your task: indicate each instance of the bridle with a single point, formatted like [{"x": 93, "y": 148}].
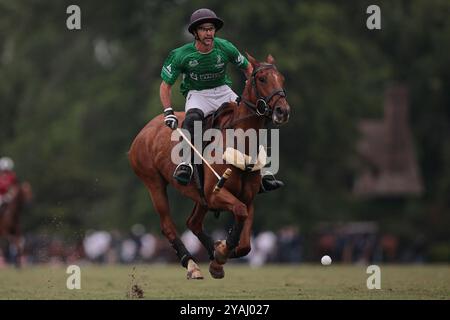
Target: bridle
[{"x": 262, "y": 107}]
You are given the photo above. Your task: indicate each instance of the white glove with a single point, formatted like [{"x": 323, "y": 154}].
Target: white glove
[{"x": 170, "y": 119}]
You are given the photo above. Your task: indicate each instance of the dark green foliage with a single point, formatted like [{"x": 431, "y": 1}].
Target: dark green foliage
[{"x": 72, "y": 101}]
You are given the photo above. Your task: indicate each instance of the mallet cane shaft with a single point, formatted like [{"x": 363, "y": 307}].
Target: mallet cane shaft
[{"x": 222, "y": 179}]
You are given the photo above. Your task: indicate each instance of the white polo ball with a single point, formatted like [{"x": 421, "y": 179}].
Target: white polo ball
[{"x": 326, "y": 260}]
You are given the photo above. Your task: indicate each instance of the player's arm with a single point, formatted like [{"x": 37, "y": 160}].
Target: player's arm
[
  {"x": 169, "y": 74},
  {"x": 165, "y": 91},
  {"x": 248, "y": 71},
  {"x": 170, "y": 119}
]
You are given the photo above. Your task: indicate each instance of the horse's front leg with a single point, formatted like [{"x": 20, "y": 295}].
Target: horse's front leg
[
  {"x": 225, "y": 200},
  {"x": 195, "y": 224},
  {"x": 244, "y": 245}
]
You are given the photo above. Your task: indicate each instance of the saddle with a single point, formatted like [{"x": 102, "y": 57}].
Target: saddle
[{"x": 210, "y": 121}]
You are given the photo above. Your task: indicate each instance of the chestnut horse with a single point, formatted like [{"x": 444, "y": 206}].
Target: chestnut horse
[
  {"x": 263, "y": 100},
  {"x": 20, "y": 195}
]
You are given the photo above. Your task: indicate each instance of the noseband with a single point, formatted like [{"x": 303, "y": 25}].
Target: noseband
[{"x": 262, "y": 107}]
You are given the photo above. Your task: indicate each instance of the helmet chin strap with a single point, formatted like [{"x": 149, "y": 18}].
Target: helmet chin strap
[{"x": 196, "y": 35}]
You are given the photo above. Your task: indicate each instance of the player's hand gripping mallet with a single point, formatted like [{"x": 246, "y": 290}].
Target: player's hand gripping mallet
[{"x": 222, "y": 179}]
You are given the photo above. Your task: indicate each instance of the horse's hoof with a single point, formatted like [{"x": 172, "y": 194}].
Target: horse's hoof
[
  {"x": 193, "y": 271},
  {"x": 221, "y": 251},
  {"x": 216, "y": 270},
  {"x": 194, "y": 275}
]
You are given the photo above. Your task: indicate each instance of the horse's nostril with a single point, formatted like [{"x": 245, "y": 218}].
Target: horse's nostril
[{"x": 278, "y": 111}]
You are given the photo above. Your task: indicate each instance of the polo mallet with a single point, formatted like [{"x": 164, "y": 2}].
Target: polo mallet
[{"x": 222, "y": 179}]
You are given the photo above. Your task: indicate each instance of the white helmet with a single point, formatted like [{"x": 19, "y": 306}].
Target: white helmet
[{"x": 6, "y": 164}]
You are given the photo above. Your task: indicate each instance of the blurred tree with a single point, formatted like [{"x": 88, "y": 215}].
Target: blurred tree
[{"x": 72, "y": 102}]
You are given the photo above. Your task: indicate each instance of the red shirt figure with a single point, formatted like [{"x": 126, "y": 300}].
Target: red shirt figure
[{"x": 7, "y": 180}]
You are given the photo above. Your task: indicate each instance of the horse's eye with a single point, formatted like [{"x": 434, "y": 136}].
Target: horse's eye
[{"x": 262, "y": 79}]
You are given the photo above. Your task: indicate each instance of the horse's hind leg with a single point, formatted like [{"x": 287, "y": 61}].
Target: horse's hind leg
[
  {"x": 158, "y": 193},
  {"x": 195, "y": 224}
]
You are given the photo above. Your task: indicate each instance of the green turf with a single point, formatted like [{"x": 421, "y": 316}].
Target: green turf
[{"x": 240, "y": 282}]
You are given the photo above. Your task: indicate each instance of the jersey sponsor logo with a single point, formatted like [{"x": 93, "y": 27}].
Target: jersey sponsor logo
[
  {"x": 193, "y": 76},
  {"x": 240, "y": 59},
  {"x": 211, "y": 76},
  {"x": 206, "y": 76},
  {"x": 219, "y": 63},
  {"x": 168, "y": 70},
  {"x": 193, "y": 63}
]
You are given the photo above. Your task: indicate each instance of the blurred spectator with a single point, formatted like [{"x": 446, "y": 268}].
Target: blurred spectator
[
  {"x": 389, "y": 245},
  {"x": 264, "y": 247},
  {"x": 354, "y": 242},
  {"x": 8, "y": 180},
  {"x": 327, "y": 244},
  {"x": 96, "y": 245},
  {"x": 289, "y": 245},
  {"x": 128, "y": 251},
  {"x": 148, "y": 246},
  {"x": 130, "y": 247}
]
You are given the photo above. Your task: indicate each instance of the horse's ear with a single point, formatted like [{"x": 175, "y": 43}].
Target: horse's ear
[
  {"x": 252, "y": 60},
  {"x": 270, "y": 59}
]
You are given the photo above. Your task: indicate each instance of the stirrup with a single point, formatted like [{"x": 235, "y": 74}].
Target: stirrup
[{"x": 183, "y": 173}]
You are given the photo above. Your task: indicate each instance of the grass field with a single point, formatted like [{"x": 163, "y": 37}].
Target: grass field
[{"x": 240, "y": 282}]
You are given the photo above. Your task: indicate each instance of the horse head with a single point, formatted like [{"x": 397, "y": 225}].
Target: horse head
[{"x": 264, "y": 92}]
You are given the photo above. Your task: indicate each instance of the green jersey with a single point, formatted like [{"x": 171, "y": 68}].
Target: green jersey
[{"x": 202, "y": 70}]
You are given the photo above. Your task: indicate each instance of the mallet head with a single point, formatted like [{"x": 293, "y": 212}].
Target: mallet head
[{"x": 222, "y": 180}]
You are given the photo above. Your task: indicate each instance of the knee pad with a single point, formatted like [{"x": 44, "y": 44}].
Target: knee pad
[{"x": 191, "y": 116}]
